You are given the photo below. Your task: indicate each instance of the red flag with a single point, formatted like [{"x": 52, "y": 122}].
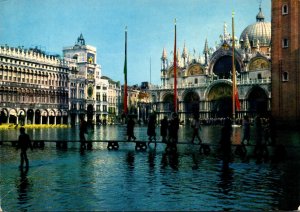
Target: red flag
[{"x": 237, "y": 101}]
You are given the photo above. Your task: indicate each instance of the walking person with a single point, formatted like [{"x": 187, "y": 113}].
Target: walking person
[
  {"x": 173, "y": 128},
  {"x": 24, "y": 143},
  {"x": 151, "y": 129},
  {"x": 164, "y": 123},
  {"x": 196, "y": 127},
  {"x": 82, "y": 131},
  {"x": 130, "y": 129},
  {"x": 246, "y": 130},
  {"x": 260, "y": 149}
]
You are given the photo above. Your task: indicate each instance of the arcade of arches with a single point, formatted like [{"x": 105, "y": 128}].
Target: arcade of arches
[
  {"x": 30, "y": 116},
  {"x": 217, "y": 103}
]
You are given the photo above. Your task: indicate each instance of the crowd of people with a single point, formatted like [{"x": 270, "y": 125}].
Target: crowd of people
[{"x": 265, "y": 133}]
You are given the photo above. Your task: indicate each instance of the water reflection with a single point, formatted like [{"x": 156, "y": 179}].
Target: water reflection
[
  {"x": 170, "y": 159},
  {"x": 23, "y": 187},
  {"x": 150, "y": 180}
]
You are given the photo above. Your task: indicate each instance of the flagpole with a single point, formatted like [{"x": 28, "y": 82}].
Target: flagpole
[
  {"x": 175, "y": 73},
  {"x": 125, "y": 75},
  {"x": 150, "y": 71},
  {"x": 233, "y": 72}
]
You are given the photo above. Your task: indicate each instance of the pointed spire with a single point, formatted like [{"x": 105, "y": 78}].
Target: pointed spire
[
  {"x": 184, "y": 52},
  {"x": 80, "y": 40},
  {"x": 164, "y": 54},
  {"x": 178, "y": 53},
  {"x": 260, "y": 16},
  {"x": 247, "y": 43},
  {"x": 206, "y": 49},
  {"x": 206, "y": 52}
]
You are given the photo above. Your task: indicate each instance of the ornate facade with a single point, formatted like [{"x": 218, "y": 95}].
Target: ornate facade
[
  {"x": 37, "y": 88},
  {"x": 204, "y": 83}
]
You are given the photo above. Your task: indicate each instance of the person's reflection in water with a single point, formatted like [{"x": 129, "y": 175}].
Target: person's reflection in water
[
  {"x": 22, "y": 187},
  {"x": 226, "y": 179},
  {"x": 170, "y": 159},
  {"x": 173, "y": 160},
  {"x": 151, "y": 160},
  {"x": 225, "y": 142},
  {"x": 195, "y": 161},
  {"x": 164, "y": 160},
  {"x": 130, "y": 160}
]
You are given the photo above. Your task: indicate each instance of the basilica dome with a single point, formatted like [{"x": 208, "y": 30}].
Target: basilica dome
[{"x": 257, "y": 33}]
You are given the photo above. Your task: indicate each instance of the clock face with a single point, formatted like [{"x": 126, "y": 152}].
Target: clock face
[{"x": 90, "y": 58}]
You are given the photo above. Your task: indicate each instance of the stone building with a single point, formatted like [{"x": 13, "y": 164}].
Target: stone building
[
  {"x": 33, "y": 86},
  {"x": 113, "y": 99},
  {"x": 204, "y": 83},
  {"x": 286, "y": 61},
  {"x": 37, "y": 88}
]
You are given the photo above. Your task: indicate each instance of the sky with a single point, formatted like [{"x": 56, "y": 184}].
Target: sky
[{"x": 53, "y": 24}]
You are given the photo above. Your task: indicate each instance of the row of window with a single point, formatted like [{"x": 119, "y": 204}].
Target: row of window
[
  {"x": 6, "y": 97},
  {"x": 33, "y": 65},
  {"x": 98, "y": 107},
  {"x": 35, "y": 81}
]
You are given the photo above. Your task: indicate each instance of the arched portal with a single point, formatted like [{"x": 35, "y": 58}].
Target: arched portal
[
  {"x": 13, "y": 116},
  {"x": 44, "y": 116},
  {"x": 30, "y": 115},
  {"x": 220, "y": 97},
  {"x": 90, "y": 113},
  {"x": 51, "y": 117},
  {"x": 257, "y": 101},
  {"x": 3, "y": 116},
  {"x": 38, "y": 117},
  {"x": 191, "y": 103},
  {"x": 22, "y": 117},
  {"x": 168, "y": 103},
  {"x": 223, "y": 67}
]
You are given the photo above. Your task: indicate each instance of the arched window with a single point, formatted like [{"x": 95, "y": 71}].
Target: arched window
[
  {"x": 285, "y": 9},
  {"x": 196, "y": 81},
  {"x": 285, "y": 76},
  {"x": 285, "y": 43}
]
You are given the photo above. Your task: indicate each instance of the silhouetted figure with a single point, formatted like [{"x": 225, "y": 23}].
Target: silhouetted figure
[
  {"x": 130, "y": 129},
  {"x": 196, "y": 127},
  {"x": 226, "y": 140},
  {"x": 151, "y": 129},
  {"x": 273, "y": 129},
  {"x": 173, "y": 128},
  {"x": 82, "y": 131},
  {"x": 246, "y": 130},
  {"x": 260, "y": 150},
  {"x": 24, "y": 143},
  {"x": 258, "y": 130},
  {"x": 164, "y": 129}
]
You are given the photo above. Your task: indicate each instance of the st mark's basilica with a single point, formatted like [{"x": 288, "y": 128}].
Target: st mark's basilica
[{"x": 204, "y": 84}]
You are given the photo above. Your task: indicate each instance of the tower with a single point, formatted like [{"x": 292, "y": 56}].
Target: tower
[
  {"x": 164, "y": 64},
  {"x": 286, "y": 61}
]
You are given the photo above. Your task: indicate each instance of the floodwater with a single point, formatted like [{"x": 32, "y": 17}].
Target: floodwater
[{"x": 125, "y": 179}]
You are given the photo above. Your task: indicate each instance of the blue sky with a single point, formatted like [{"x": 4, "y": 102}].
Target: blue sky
[{"x": 54, "y": 24}]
